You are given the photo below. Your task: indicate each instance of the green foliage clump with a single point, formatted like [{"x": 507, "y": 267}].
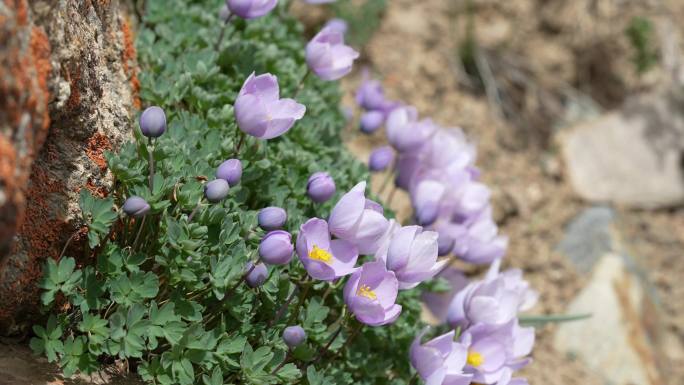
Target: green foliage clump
[
  {"x": 640, "y": 35},
  {"x": 165, "y": 294}
]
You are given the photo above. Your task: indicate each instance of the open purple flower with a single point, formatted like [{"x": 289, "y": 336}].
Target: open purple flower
[
  {"x": 251, "y": 9},
  {"x": 324, "y": 259},
  {"x": 405, "y": 132},
  {"x": 259, "y": 110},
  {"x": 482, "y": 243},
  {"x": 494, "y": 352},
  {"x": 495, "y": 300},
  {"x": 371, "y": 293},
  {"x": 351, "y": 220},
  {"x": 412, "y": 255},
  {"x": 440, "y": 360},
  {"x": 327, "y": 55}
]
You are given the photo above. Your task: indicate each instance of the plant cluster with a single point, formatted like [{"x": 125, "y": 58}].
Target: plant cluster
[{"x": 195, "y": 281}]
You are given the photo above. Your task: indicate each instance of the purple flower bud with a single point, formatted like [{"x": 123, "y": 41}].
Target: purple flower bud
[
  {"x": 370, "y": 95},
  {"x": 272, "y": 218},
  {"x": 427, "y": 214},
  {"x": 294, "y": 336},
  {"x": 259, "y": 110},
  {"x": 276, "y": 248},
  {"x": 230, "y": 171},
  {"x": 327, "y": 55},
  {"x": 224, "y": 13},
  {"x": 336, "y": 24},
  {"x": 381, "y": 158},
  {"x": 320, "y": 187},
  {"x": 257, "y": 276},
  {"x": 371, "y": 121},
  {"x": 136, "y": 207},
  {"x": 251, "y": 9},
  {"x": 153, "y": 122},
  {"x": 445, "y": 244},
  {"x": 216, "y": 190}
]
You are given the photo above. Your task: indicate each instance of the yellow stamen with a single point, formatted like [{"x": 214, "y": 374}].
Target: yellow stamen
[
  {"x": 320, "y": 255},
  {"x": 365, "y": 291},
  {"x": 474, "y": 359}
]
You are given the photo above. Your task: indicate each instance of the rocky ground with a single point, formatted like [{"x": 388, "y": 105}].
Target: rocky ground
[{"x": 552, "y": 72}]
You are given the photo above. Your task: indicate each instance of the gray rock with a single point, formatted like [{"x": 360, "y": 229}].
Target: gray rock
[
  {"x": 614, "y": 341},
  {"x": 588, "y": 237},
  {"x": 67, "y": 95},
  {"x": 632, "y": 157}
]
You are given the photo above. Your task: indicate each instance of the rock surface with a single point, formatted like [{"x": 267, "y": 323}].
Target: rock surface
[
  {"x": 631, "y": 157},
  {"x": 68, "y": 88},
  {"x": 614, "y": 342},
  {"x": 588, "y": 237}
]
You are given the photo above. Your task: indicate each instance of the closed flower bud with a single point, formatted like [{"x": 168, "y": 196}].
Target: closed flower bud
[
  {"x": 427, "y": 214},
  {"x": 230, "y": 171},
  {"x": 251, "y": 9},
  {"x": 272, "y": 218},
  {"x": 320, "y": 187},
  {"x": 216, "y": 190},
  {"x": 153, "y": 122},
  {"x": 371, "y": 121},
  {"x": 276, "y": 248},
  {"x": 136, "y": 207},
  {"x": 381, "y": 158},
  {"x": 257, "y": 275},
  {"x": 445, "y": 244},
  {"x": 294, "y": 336}
]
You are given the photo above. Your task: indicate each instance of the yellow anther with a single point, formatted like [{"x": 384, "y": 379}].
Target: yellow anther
[
  {"x": 474, "y": 359},
  {"x": 365, "y": 291},
  {"x": 320, "y": 254}
]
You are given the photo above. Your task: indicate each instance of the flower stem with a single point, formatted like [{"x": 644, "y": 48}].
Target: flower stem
[
  {"x": 388, "y": 178},
  {"x": 333, "y": 338},
  {"x": 283, "y": 307},
  {"x": 239, "y": 143},
  {"x": 301, "y": 83},
  {"x": 137, "y": 235},
  {"x": 302, "y": 297},
  {"x": 194, "y": 211},
  {"x": 150, "y": 152},
  {"x": 222, "y": 33}
]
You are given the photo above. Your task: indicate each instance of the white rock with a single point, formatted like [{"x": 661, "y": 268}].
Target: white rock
[
  {"x": 631, "y": 157},
  {"x": 613, "y": 342}
]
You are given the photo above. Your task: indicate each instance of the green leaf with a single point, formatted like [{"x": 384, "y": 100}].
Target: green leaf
[{"x": 540, "y": 320}]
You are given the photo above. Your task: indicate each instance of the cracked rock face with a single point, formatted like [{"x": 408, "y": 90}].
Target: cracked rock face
[{"x": 68, "y": 92}]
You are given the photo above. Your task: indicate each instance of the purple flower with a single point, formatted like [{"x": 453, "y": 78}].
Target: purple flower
[
  {"x": 153, "y": 122},
  {"x": 375, "y": 206},
  {"x": 495, "y": 300},
  {"x": 294, "y": 336},
  {"x": 405, "y": 132},
  {"x": 412, "y": 255},
  {"x": 438, "y": 303},
  {"x": 482, "y": 243},
  {"x": 230, "y": 171},
  {"x": 381, "y": 158},
  {"x": 257, "y": 276},
  {"x": 136, "y": 207},
  {"x": 426, "y": 198},
  {"x": 351, "y": 220},
  {"x": 216, "y": 190},
  {"x": 371, "y": 121},
  {"x": 251, "y": 9},
  {"x": 276, "y": 248},
  {"x": 259, "y": 110},
  {"x": 324, "y": 259},
  {"x": 371, "y": 293},
  {"x": 337, "y": 24},
  {"x": 327, "y": 56},
  {"x": 440, "y": 360},
  {"x": 494, "y": 352},
  {"x": 370, "y": 95},
  {"x": 320, "y": 187},
  {"x": 272, "y": 218}
]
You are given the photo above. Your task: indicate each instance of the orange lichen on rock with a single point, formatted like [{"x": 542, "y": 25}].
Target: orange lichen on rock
[
  {"x": 97, "y": 191},
  {"x": 95, "y": 150},
  {"x": 40, "y": 49},
  {"x": 128, "y": 57}
]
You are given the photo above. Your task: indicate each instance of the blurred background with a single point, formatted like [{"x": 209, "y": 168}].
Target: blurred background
[{"x": 577, "y": 108}]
